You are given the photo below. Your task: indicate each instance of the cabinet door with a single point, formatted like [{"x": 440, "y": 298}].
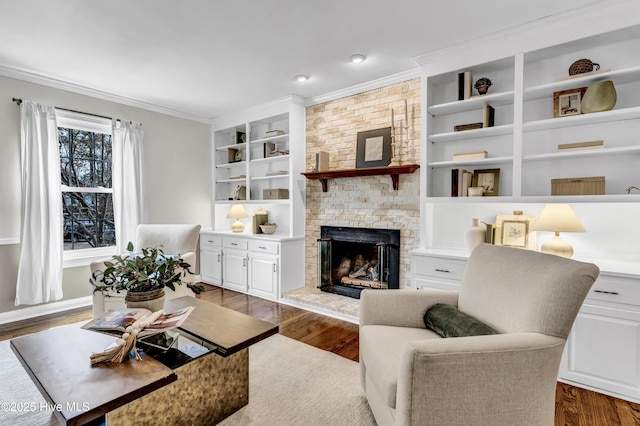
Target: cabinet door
[
  {"x": 603, "y": 351},
  {"x": 263, "y": 276},
  {"x": 234, "y": 270},
  {"x": 211, "y": 265}
]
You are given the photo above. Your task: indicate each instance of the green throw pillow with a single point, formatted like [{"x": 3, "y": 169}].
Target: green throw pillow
[{"x": 448, "y": 321}]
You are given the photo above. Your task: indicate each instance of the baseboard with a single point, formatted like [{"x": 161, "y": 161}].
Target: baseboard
[
  {"x": 44, "y": 309},
  {"x": 599, "y": 390}
]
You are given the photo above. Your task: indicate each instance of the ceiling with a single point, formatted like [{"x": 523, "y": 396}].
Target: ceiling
[{"x": 205, "y": 58}]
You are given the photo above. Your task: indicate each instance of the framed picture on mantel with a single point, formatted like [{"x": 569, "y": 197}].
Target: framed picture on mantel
[{"x": 374, "y": 148}]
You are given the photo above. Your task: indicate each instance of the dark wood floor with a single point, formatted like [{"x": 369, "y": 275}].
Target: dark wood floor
[{"x": 574, "y": 406}]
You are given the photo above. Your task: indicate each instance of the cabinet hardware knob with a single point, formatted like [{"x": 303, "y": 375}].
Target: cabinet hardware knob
[
  {"x": 234, "y": 244},
  {"x": 210, "y": 241},
  {"x": 274, "y": 267},
  {"x": 442, "y": 270},
  {"x": 615, "y": 293},
  {"x": 218, "y": 258},
  {"x": 262, "y": 247}
]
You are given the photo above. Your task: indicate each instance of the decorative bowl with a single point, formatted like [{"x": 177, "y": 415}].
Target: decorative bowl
[{"x": 268, "y": 229}]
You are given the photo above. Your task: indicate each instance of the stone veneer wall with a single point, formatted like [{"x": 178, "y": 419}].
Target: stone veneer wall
[{"x": 367, "y": 202}]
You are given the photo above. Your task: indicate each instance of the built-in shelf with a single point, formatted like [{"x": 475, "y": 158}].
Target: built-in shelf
[{"x": 393, "y": 171}]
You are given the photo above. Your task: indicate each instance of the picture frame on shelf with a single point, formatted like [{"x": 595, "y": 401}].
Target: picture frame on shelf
[
  {"x": 568, "y": 102},
  {"x": 514, "y": 230},
  {"x": 373, "y": 148},
  {"x": 488, "y": 179}
]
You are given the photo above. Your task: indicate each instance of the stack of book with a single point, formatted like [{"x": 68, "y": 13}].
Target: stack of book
[
  {"x": 465, "y": 85},
  {"x": 469, "y": 155},
  {"x": 461, "y": 180},
  {"x": 580, "y": 146}
]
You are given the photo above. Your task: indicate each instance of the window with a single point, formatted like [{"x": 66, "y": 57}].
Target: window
[{"x": 85, "y": 167}]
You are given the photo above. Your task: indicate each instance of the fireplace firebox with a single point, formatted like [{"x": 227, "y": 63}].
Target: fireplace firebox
[{"x": 354, "y": 259}]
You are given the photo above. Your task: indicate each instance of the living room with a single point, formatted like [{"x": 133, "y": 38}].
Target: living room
[{"x": 179, "y": 154}]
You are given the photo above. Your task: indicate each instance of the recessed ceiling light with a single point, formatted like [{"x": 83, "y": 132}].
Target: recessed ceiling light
[
  {"x": 357, "y": 58},
  {"x": 302, "y": 77}
]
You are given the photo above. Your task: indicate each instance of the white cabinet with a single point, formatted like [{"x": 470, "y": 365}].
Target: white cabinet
[
  {"x": 234, "y": 270},
  {"x": 252, "y": 264},
  {"x": 603, "y": 349},
  {"x": 211, "y": 259}
]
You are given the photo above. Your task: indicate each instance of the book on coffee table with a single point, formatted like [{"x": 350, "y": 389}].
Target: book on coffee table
[{"x": 115, "y": 323}]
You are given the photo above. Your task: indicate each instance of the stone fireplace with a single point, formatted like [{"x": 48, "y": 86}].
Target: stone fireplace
[{"x": 354, "y": 259}]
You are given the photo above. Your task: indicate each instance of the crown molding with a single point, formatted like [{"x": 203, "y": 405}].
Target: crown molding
[
  {"x": 43, "y": 80},
  {"x": 598, "y": 18},
  {"x": 364, "y": 87}
]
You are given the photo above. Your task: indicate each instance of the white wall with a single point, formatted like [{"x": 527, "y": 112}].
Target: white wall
[{"x": 177, "y": 172}]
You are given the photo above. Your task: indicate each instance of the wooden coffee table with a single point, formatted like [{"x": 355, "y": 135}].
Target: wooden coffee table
[{"x": 203, "y": 390}]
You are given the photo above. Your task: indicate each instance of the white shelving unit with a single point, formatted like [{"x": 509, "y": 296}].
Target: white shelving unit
[
  {"x": 247, "y": 153},
  {"x": 527, "y": 67}
]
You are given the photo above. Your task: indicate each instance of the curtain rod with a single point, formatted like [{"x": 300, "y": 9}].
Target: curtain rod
[{"x": 19, "y": 101}]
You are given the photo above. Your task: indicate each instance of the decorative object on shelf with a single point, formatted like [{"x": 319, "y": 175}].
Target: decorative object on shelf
[
  {"x": 374, "y": 148},
  {"x": 402, "y": 149},
  {"x": 631, "y": 188},
  {"x": 482, "y": 85},
  {"x": 237, "y": 212},
  {"x": 465, "y": 80},
  {"x": 271, "y": 133},
  {"x": 235, "y": 155},
  {"x": 475, "y": 191},
  {"x": 143, "y": 276},
  {"x": 592, "y": 185},
  {"x": 599, "y": 97},
  {"x": 461, "y": 181},
  {"x": 469, "y": 126},
  {"x": 558, "y": 218},
  {"x": 488, "y": 115},
  {"x": 322, "y": 161},
  {"x": 275, "y": 194},
  {"x": 260, "y": 217},
  {"x": 583, "y": 65},
  {"x": 578, "y": 146},
  {"x": 568, "y": 102},
  {"x": 469, "y": 155},
  {"x": 240, "y": 192},
  {"x": 475, "y": 235},
  {"x": 269, "y": 228},
  {"x": 515, "y": 230},
  {"x": 238, "y": 137},
  {"x": 488, "y": 179}
]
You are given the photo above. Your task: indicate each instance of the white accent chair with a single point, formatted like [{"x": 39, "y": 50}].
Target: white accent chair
[
  {"x": 412, "y": 376},
  {"x": 175, "y": 240}
]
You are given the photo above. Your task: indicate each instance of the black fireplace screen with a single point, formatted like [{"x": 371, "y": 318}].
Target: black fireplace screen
[{"x": 353, "y": 259}]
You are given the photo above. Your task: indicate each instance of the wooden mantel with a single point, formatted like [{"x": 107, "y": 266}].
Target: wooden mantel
[{"x": 393, "y": 171}]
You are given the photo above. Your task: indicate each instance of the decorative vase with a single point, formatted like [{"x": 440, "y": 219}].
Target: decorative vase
[
  {"x": 599, "y": 97},
  {"x": 152, "y": 300},
  {"x": 475, "y": 235},
  {"x": 583, "y": 65},
  {"x": 482, "y": 85}
]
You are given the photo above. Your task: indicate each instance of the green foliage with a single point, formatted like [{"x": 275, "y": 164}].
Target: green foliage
[{"x": 148, "y": 270}]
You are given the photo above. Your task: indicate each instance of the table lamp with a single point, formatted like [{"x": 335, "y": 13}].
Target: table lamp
[
  {"x": 236, "y": 212},
  {"x": 558, "y": 218}
]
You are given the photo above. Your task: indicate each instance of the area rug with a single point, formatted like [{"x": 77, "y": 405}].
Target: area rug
[{"x": 290, "y": 383}]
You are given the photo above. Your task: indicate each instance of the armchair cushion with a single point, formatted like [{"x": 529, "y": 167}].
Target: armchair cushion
[{"x": 448, "y": 321}]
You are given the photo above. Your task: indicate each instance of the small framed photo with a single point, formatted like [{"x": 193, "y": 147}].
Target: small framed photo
[
  {"x": 568, "y": 102},
  {"x": 374, "y": 148},
  {"x": 514, "y": 230},
  {"x": 488, "y": 179}
]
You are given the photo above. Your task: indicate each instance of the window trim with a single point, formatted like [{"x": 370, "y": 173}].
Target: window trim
[{"x": 89, "y": 123}]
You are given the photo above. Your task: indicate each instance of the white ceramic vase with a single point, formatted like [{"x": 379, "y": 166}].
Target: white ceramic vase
[{"x": 475, "y": 235}]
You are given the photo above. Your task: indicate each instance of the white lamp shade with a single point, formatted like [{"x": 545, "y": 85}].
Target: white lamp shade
[
  {"x": 558, "y": 218},
  {"x": 237, "y": 211}
]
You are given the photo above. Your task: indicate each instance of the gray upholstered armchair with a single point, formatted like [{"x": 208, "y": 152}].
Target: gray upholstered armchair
[
  {"x": 413, "y": 376},
  {"x": 174, "y": 239}
]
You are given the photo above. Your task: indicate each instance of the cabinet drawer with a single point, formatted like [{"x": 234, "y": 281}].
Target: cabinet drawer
[
  {"x": 235, "y": 243},
  {"x": 441, "y": 268},
  {"x": 426, "y": 284},
  {"x": 616, "y": 289},
  {"x": 210, "y": 240},
  {"x": 264, "y": 246}
]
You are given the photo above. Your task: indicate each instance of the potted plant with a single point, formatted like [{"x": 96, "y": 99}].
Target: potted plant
[{"x": 143, "y": 276}]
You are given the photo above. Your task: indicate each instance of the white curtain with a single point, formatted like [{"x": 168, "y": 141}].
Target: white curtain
[
  {"x": 40, "y": 264},
  {"x": 128, "y": 192}
]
